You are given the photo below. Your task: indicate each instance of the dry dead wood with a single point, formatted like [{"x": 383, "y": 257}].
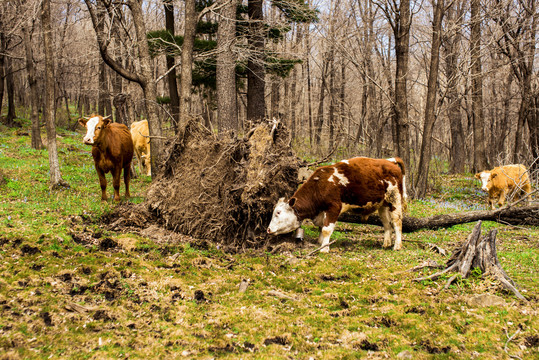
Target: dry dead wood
[
  {"x": 525, "y": 215},
  {"x": 476, "y": 252}
]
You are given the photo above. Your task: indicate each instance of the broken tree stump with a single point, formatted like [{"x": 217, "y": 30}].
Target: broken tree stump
[{"x": 476, "y": 252}]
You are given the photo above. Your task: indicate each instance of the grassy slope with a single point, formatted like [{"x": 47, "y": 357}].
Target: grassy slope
[{"x": 140, "y": 299}]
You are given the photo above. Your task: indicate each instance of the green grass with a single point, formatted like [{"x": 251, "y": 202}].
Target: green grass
[{"x": 149, "y": 298}]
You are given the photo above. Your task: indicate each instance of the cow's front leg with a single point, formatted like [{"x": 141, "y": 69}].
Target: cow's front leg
[
  {"x": 326, "y": 227},
  {"x": 501, "y": 200},
  {"x": 325, "y": 234},
  {"x": 102, "y": 183},
  {"x": 116, "y": 172}
]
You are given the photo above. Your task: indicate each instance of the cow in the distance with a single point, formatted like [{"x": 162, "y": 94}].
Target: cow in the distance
[
  {"x": 112, "y": 150},
  {"x": 141, "y": 142},
  {"x": 360, "y": 183},
  {"x": 504, "y": 181}
]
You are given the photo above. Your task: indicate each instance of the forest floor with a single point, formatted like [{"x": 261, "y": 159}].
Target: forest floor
[{"x": 124, "y": 295}]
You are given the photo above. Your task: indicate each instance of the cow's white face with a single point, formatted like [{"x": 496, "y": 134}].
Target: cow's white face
[
  {"x": 93, "y": 126},
  {"x": 484, "y": 176},
  {"x": 284, "y": 219}
]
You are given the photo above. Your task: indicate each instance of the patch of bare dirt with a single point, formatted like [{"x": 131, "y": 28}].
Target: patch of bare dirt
[{"x": 219, "y": 189}]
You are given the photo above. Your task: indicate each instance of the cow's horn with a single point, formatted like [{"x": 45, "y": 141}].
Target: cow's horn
[{"x": 107, "y": 117}]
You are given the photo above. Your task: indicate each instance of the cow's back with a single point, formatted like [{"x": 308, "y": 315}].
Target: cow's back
[
  {"x": 510, "y": 176},
  {"x": 369, "y": 179},
  {"x": 359, "y": 181}
]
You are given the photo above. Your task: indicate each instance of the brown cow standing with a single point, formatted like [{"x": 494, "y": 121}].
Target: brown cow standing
[
  {"x": 503, "y": 181},
  {"x": 359, "y": 183},
  {"x": 112, "y": 150}
]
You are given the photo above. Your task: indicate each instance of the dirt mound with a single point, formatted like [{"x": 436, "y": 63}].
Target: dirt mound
[{"x": 219, "y": 189}]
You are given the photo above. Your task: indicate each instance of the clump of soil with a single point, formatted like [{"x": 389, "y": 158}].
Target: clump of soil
[{"x": 219, "y": 189}]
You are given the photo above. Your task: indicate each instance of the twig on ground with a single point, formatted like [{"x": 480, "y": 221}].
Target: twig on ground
[{"x": 509, "y": 338}]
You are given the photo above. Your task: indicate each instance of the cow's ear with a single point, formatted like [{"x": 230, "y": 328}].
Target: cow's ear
[
  {"x": 493, "y": 175},
  {"x": 106, "y": 121},
  {"x": 83, "y": 121},
  {"x": 478, "y": 176},
  {"x": 291, "y": 202}
]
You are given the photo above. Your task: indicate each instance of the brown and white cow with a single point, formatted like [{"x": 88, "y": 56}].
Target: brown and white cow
[
  {"x": 141, "y": 142},
  {"x": 512, "y": 180},
  {"x": 359, "y": 183},
  {"x": 112, "y": 150}
]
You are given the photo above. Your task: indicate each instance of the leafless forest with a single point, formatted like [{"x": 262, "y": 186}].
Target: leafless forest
[{"x": 454, "y": 81}]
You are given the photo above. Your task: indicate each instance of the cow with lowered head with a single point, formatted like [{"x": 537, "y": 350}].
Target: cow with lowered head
[
  {"x": 363, "y": 184},
  {"x": 112, "y": 150},
  {"x": 503, "y": 181}
]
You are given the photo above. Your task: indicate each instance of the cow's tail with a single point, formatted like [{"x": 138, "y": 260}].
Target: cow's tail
[{"x": 400, "y": 163}]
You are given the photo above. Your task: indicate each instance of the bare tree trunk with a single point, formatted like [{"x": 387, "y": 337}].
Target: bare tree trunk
[
  {"x": 102, "y": 94},
  {"x": 32, "y": 83},
  {"x": 227, "y": 111},
  {"x": 309, "y": 87},
  {"x": 10, "y": 87},
  {"x": 148, "y": 85},
  {"x": 457, "y": 158},
  {"x": 49, "y": 111},
  {"x": 342, "y": 97},
  {"x": 402, "y": 52},
  {"x": 275, "y": 97},
  {"x": 293, "y": 102},
  {"x": 187, "y": 64},
  {"x": 430, "y": 105},
  {"x": 256, "y": 104},
  {"x": 480, "y": 155},
  {"x": 172, "y": 77},
  {"x": 319, "y": 121},
  {"x": 332, "y": 100}
]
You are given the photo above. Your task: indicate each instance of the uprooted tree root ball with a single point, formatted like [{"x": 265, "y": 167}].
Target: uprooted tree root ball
[{"x": 219, "y": 189}]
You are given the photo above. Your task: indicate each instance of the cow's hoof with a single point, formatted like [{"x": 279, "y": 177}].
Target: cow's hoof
[
  {"x": 324, "y": 249},
  {"x": 397, "y": 248}
]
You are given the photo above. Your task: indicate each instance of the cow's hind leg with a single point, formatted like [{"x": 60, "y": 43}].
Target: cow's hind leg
[
  {"x": 383, "y": 211},
  {"x": 396, "y": 221}
]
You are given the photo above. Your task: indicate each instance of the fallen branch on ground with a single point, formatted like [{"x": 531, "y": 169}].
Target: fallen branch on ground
[{"x": 525, "y": 215}]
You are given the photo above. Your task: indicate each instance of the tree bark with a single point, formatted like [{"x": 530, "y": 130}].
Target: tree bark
[
  {"x": 525, "y": 215},
  {"x": 10, "y": 87},
  {"x": 402, "y": 53},
  {"x": 148, "y": 85},
  {"x": 457, "y": 158},
  {"x": 480, "y": 162},
  {"x": 186, "y": 77},
  {"x": 32, "y": 83},
  {"x": 256, "y": 74},
  {"x": 430, "y": 105},
  {"x": 49, "y": 111},
  {"x": 227, "y": 111},
  {"x": 171, "y": 76}
]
